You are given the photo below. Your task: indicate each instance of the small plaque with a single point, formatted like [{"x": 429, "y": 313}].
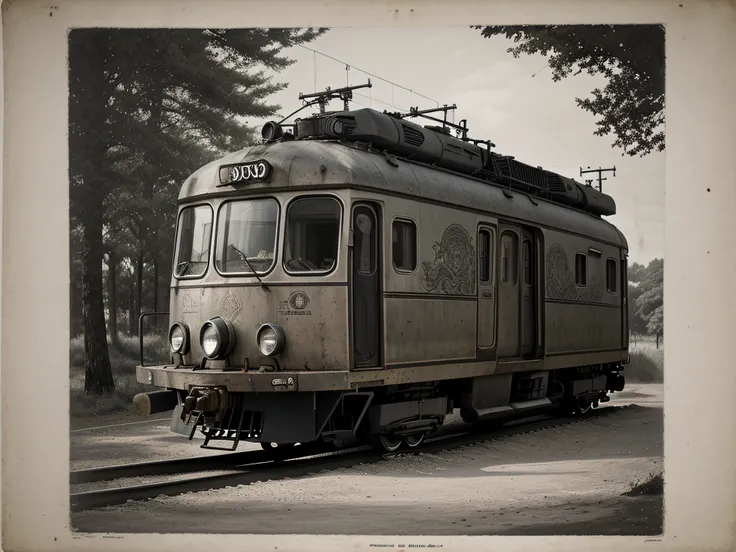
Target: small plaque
[{"x": 255, "y": 171}]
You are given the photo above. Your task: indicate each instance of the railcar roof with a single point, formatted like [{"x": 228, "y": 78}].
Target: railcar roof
[{"x": 304, "y": 164}]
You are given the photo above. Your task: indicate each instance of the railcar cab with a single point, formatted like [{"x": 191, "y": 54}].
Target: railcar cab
[
  {"x": 268, "y": 265},
  {"x": 279, "y": 263}
]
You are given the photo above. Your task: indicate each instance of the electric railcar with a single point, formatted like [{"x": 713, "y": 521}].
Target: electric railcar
[{"x": 362, "y": 276}]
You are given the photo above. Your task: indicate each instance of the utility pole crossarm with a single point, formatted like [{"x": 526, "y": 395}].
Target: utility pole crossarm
[{"x": 600, "y": 171}]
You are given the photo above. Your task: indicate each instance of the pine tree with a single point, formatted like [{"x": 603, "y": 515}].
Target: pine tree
[{"x": 146, "y": 107}]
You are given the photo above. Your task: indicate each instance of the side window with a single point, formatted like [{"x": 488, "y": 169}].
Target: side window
[
  {"x": 365, "y": 241},
  {"x": 509, "y": 259},
  {"x": 312, "y": 234},
  {"x": 485, "y": 255},
  {"x": 581, "y": 269},
  {"x": 404, "y": 245},
  {"x": 195, "y": 232},
  {"x": 527, "y": 263},
  {"x": 611, "y": 274}
]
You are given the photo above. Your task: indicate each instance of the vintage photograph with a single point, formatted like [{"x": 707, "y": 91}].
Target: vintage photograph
[{"x": 367, "y": 281}]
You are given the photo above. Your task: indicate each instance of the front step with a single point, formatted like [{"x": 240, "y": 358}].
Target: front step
[{"x": 239, "y": 424}]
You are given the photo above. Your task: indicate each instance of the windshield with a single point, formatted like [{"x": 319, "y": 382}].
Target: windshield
[
  {"x": 246, "y": 236},
  {"x": 195, "y": 231},
  {"x": 312, "y": 231}
]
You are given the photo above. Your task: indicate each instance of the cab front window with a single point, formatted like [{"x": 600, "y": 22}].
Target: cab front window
[
  {"x": 246, "y": 236},
  {"x": 312, "y": 232},
  {"x": 195, "y": 232}
]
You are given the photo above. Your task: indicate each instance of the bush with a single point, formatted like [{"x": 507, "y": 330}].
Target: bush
[
  {"x": 653, "y": 485},
  {"x": 123, "y": 359},
  {"x": 647, "y": 364}
]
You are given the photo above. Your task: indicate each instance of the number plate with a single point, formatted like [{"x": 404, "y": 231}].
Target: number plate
[{"x": 256, "y": 171}]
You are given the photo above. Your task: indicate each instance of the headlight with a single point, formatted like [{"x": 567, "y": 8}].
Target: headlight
[
  {"x": 271, "y": 339},
  {"x": 179, "y": 338},
  {"x": 217, "y": 338}
]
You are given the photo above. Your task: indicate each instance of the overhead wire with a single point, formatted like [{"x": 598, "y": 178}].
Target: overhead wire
[{"x": 348, "y": 65}]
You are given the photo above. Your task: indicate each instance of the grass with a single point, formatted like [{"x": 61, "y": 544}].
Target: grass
[
  {"x": 647, "y": 362},
  {"x": 123, "y": 359},
  {"x": 653, "y": 485}
]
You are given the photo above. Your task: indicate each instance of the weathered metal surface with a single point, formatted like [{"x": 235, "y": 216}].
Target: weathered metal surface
[
  {"x": 237, "y": 381},
  {"x": 582, "y": 328},
  {"x": 445, "y": 328},
  {"x": 314, "y": 319},
  {"x": 298, "y": 165}
]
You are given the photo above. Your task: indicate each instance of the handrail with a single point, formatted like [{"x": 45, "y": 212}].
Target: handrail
[{"x": 140, "y": 329}]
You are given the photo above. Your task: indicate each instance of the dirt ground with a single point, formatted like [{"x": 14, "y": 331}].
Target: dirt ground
[
  {"x": 123, "y": 440},
  {"x": 568, "y": 480}
]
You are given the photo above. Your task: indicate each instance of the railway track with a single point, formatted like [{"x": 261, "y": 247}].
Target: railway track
[
  {"x": 180, "y": 465},
  {"x": 244, "y": 468}
]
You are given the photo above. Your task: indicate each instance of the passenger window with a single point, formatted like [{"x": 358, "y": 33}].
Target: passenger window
[
  {"x": 404, "y": 240},
  {"x": 485, "y": 256},
  {"x": 365, "y": 241},
  {"x": 312, "y": 232},
  {"x": 527, "y": 263},
  {"x": 509, "y": 258},
  {"x": 581, "y": 269},
  {"x": 611, "y": 275}
]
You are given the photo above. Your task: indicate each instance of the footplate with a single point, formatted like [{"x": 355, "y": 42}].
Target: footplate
[{"x": 230, "y": 422}]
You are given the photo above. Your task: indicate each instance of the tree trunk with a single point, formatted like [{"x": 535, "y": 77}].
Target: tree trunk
[
  {"x": 112, "y": 303},
  {"x": 98, "y": 378},
  {"x": 89, "y": 93},
  {"x": 155, "y": 285},
  {"x": 156, "y": 99},
  {"x": 164, "y": 276},
  {"x": 132, "y": 320}
]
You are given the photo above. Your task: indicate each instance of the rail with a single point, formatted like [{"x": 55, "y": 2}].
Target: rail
[{"x": 239, "y": 471}]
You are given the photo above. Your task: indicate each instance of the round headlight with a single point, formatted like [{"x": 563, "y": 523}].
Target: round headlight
[
  {"x": 179, "y": 338},
  {"x": 210, "y": 340},
  {"x": 271, "y": 339},
  {"x": 217, "y": 338}
]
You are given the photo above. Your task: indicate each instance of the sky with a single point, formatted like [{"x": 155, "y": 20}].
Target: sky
[{"x": 512, "y": 102}]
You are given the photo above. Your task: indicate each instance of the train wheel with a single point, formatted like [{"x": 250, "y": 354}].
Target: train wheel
[
  {"x": 413, "y": 441},
  {"x": 277, "y": 447},
  {"x": 389, "y": 443}
]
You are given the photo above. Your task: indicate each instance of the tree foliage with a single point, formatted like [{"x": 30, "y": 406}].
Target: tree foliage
[
  {"x": 146, "y": 108},
  {"x": 631, "y": 58},
  {"x": 647, "y": 298}
]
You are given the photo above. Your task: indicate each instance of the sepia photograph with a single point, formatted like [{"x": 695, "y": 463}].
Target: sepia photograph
[
  {"x": 320, "y": 287},
  {"x": 352, "y": 276}
]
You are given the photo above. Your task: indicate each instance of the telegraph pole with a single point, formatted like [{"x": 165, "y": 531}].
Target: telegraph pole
[{"x": 600, "y": 171}]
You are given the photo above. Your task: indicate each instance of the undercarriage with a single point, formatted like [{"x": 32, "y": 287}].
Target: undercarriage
[{"x": 387, "y": 417}]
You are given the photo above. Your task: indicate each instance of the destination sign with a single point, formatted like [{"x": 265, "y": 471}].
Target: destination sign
[{"x": 256, "y": 171}]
